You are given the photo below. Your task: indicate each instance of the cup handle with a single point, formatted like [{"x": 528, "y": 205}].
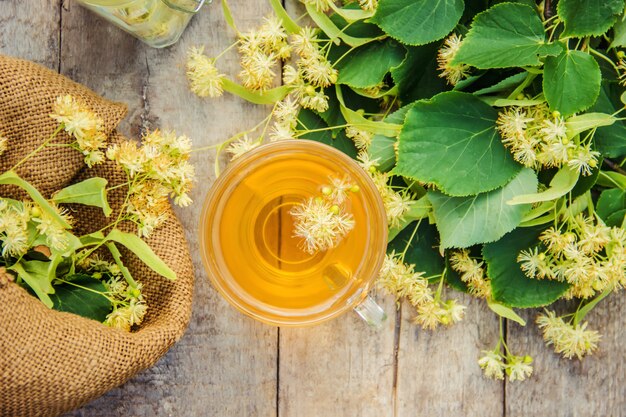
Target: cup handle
[{"x": 371, "y": 312}]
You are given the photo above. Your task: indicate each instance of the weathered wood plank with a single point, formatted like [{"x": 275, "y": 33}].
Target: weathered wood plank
[
  {"x": 342, "y": 368},
  {"x": 225, "y": 364},
  {"x": 595, "y": 386},
  {"x": 30, "y": 30},
  {"x": 437, "y": 370}
]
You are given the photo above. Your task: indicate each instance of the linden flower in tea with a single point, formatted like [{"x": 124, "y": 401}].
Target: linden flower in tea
[{"x": 322, "y": 222}]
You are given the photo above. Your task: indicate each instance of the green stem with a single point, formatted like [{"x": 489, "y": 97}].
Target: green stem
[{"x": 84, "y": 288}]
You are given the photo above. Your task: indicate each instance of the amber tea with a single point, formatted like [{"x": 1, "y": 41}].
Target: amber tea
[{"x": 252, "y": 253}]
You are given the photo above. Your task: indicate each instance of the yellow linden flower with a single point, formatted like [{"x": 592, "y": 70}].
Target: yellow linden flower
[
  {"x": 492, "y": 365},
  {"x": 321, "y": 225},
  {"x": 204, "y": 78},
  {"x": 453, "y": 73}
]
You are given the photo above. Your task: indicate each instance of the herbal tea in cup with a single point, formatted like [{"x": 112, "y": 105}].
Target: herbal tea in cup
[{"x": 293, "y": 233}]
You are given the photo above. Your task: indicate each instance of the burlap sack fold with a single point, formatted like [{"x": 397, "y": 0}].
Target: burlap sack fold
[{"x": 52, "y": 362}]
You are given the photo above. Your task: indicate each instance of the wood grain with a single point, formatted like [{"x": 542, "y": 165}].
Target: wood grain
[
  {"x": 595, "y": 386},
  {"x": 226, "y": 363},
  {"x": 31, "y": 30},
  {"x": 437, "y": 370}
]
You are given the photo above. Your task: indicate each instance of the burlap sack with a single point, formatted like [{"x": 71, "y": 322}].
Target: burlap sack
[{"x": 52, "y": 362}]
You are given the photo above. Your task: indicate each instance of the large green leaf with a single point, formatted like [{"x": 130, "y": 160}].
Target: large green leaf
[
  {"x": 510, "y": 286},
  {"x": 610, "y": 202},
  {"x": 420, "y": 247},
  {"x": 307, "y": 119},
  {"x": 90, "y": 192},
  {"x": 452, "y": 141},
  {"x": 506, "y": 35},
  {"x": 609, "y": 140},
  {"x": 35, "y": 275},
  {"x": 418, "y": 22},
  {"x": 143, "y": 251},
  {"x": 571, "y": 81},
  {"x": 367, "y": 65},
  {"x": 418, "y": 77},
  {"x": 588, "y": 17},
  {"x": 467, "y": 221},
  {"x": 83, "y": 297}
]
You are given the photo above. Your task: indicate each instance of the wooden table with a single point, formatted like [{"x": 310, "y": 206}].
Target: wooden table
[{"x": 228, "y": 365}]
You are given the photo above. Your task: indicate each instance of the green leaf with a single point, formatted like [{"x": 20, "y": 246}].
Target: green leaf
[
  {"x": 452, "y": 141},
  {"x": 83, "y": 297},
  {"x": 506, "y": 35},
  {"x": 610, "y": 202},
  {"x": 418, "y": 22},
  {"x": 571, "y": 81},
  {"x": 510, "y": 286},
  {"x": 583, "y": 122},
  {"x": 467, "y": 221},
  {"x": 307, "y": 119},
  {"x": 562, "y": 183},
  {"x": 35, "y": 275},
  {"x": 588, "y": 17},
  {"x": 419, "y": 240},
  {"x": 140, "y": 248},
  {"x": 609, "y": 140},
  {"x": 382, "y": 149},
  {"x": 11, "y": 178},
  {"x": 367, "y": 65},
  {"x": 507, "y": 84},
  {"x": 90, "y": 192},
  {"x": 616, "y": 219},
  {"x": 417, "y": 77},
  {"x": 506, "y": 312},
  {"x": 619, "y": 33}
]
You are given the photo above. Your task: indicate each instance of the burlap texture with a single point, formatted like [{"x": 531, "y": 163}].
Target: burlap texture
[{"x": 52, "y": 362}]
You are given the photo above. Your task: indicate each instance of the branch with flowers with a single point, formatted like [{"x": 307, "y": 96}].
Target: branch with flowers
[
  {"x": 492, "y": 132},
  {"x": 85, "y": 274}
]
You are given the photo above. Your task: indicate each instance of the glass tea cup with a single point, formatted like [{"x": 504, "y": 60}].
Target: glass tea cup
[{"x": 252, "y": 255}]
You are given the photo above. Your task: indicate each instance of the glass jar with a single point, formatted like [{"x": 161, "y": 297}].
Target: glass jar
[{"x": 159, "y": 23}]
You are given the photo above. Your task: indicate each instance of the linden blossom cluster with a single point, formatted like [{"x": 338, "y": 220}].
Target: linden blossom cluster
[
  {"x": 80, "y": 123},
  {"x": 583, "y": 252},
  {"x": 129, "y": 304},
  {"x": 400, "y": 280},
  {"x": 322, "y": 222},
  {"x": 156, "y": 170},
  {"x": 537, "y": 138}
]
